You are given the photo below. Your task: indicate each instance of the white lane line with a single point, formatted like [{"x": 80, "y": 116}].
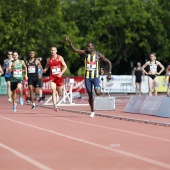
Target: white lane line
[
  {"x": 105, "y": 127},
  {"x": 26, "y": 158},
  {"x": 129, "y": 154}
]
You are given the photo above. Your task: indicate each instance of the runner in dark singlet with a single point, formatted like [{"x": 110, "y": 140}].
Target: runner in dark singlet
[
  {"x": 137, "y": 72},
  {"x": 8, "y": 75},
  {"x": 152, "y": 74},
  {"x": 33, "y": 77}
]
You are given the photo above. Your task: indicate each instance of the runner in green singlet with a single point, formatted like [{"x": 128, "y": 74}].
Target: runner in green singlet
[{"x": 15, "y": 68}]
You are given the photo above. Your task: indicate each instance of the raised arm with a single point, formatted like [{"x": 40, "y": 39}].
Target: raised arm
[
  {"x": 73, "y": 48},
  {"x": 101, "y": 56}
]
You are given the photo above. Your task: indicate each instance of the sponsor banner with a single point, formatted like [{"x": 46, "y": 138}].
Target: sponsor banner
[
  {"x": 117, "y": 84},
  {"x": 78, "y": 85},
  {"x": 125, "y": 84}
]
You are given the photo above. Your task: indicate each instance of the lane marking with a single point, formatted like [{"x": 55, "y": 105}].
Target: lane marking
[
  {"x": 129, "y": 154},
  {"x": 105, "y": 127},
  {"x": 26, "y": 158},
  {"x": 116, "y": 129}
]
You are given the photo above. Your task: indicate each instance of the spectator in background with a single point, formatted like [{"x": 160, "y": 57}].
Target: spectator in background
[
  {"x": 137, "y": 72},
  {"x": 168, "y": 75},
  {"x": 7, "y": 74},
  {"x": 153, "y": 73}
]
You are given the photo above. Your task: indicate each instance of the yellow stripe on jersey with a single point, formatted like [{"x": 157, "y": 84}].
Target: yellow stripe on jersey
[{"x": 93, "y": 60}]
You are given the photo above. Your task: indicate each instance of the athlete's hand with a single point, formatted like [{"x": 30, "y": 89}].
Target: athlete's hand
[
  {"x": 109, "y": 77},
  {"x": 40, "y": 76},
  {"x": 60, "y": 74},
  {"x": 26, "y": 77},
  {"x": 68, "y": 39},
  {"x": 44, "y": 71}
]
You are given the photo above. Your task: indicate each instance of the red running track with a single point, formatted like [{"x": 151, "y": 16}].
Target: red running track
[{"x": 44, "y": 139}]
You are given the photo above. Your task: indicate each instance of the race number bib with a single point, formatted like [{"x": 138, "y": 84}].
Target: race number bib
[
  {"x": 91, "y": 65},
  {"x": 31, "y": 69},
  {"x": 56, "y": 70},
  {"x": 17, "y": 73}
]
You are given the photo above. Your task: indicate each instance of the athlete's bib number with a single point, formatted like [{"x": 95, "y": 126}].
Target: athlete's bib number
[
  {"x": 31, "y": 69},
  {"x": 17, "y": 73},
  {"x": 56, "y": 70},
  {"x": 91, "y": 65}
]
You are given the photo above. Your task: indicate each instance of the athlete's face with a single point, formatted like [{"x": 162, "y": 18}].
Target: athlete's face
[
  {"x": 138, "y": 64},
  {"x": 152, "y": 57},
  {"x": 53, "y": 51},
  {"x": 32, "y": 54},
  {"x": 9, "y": 55},
  {"x": 89, "y": 47},
  {"x": 15, "y": 55}
]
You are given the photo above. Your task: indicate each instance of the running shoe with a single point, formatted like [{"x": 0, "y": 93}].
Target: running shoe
[
  {"x": 92, "y": 114},
  {"x": 28, "y": 100},
  {"x": 21, "y": 101},
  {"x": 15, "y": 107},
  {"x": 9, "y": 99},
  {"x": 55, "y": 108},
  {"x": 33, "y": 106},
  {"x": 40, "y": 99}
]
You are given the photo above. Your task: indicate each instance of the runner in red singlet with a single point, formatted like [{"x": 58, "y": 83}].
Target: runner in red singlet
[{"x": 57, "y": 67}]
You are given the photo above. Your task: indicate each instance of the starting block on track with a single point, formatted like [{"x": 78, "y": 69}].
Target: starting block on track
[{"x": 67, "y": 95}]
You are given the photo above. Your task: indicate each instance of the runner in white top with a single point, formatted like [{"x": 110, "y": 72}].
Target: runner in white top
[{"x": 152, "y": 74}]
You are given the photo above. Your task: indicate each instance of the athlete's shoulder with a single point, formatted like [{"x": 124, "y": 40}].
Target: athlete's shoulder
[
  {"x": 148, "y": 62},
  {"x": 157, "y": 62}
]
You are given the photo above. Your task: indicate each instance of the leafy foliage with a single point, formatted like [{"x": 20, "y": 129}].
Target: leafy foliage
[{"x": 125, "y": 31}]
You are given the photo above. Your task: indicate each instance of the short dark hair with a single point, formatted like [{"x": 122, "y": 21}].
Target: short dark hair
[{"x": 15, "y": 51}]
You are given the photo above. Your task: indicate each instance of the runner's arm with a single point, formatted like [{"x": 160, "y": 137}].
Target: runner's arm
[
  {"x": 143, "y": 74},
  {"x": 73, "y": 48},
  {"x": 143, "y": 68},
  {"x": 162, "y": 68},
  {"x": 40, "y": 66},
  {"x": 47, "y": 65},
  {"x": 3, "y": 67},
  {"x": 109, "y": 64},
  {"x": 63, "y": 64},
  {"x": 25, "y": 69},
  {"x": 10, "y": 67},
  {"x": 133, "y": 73},
  {"x": 1, "y": 71}
]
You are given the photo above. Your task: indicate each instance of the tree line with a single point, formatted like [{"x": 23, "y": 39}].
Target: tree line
[{"x": 125, "y": 31}]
